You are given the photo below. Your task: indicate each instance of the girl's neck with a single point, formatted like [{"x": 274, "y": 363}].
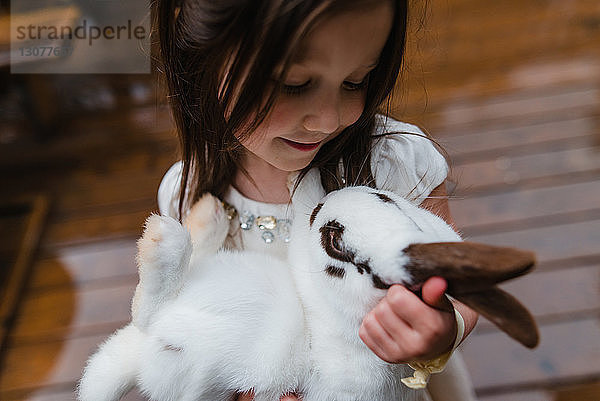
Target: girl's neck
[{"x": 268, "y": 183}]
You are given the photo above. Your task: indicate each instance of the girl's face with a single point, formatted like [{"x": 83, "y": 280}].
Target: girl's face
[{"x": 324, "y": 90}]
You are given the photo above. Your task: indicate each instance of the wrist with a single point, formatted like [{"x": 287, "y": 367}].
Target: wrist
[
  {"x": 423, "y": 370},
  {"x": 460, "y": 329}
]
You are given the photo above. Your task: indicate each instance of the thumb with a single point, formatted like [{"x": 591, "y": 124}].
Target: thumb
[{"x": 433, "y": 294}]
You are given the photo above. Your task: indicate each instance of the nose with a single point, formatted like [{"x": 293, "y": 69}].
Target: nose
[{"x": 324, "y": 114}]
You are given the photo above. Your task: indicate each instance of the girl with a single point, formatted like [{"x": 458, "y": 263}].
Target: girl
[{"x": 263, "y": 91}]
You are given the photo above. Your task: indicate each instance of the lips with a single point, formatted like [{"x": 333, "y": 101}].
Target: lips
[{"x": 305, "y": 147}]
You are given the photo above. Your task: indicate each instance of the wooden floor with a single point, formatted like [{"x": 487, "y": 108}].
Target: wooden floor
[{"x": 510, "y": 88}]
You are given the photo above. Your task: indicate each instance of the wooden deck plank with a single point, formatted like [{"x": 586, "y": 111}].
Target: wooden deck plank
[
  {"x": 553, "y": 243},
  {"x": 507, "y": 170},
  {"x": 463, "y": 142},
  {"x": 556, "y": 294},
  {"x": 113, "y": 182},
  {"x": 522, "y": 207},
  {"x": 69, "y": 266},
  {"x": 85, "y": 139},
  {"x": 23, "y": 220},
  {"x": 86, "y": 229},
  {"x": 28, "y": 370},
  {"x": 509, "y": 364},
  {"x": 65, "y": 312},
  {"x": 427, "y": 92},
  {"x": 512, "y": 19},
  {"x": 513, "y": 110},
  {"x": 520, "y": 106},
  {"x": 66, "y": 395},
  {"x": 54, "y": 363},
  {"x": 529, "y": 395},
  {"x": 92, "y": 190},
  {"x": 517, "y": 40},
  {"x": 535, "y": 71},
  {"x": 584, "y": 392}
]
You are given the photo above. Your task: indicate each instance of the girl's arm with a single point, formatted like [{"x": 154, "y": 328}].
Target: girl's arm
[
  {"x": 404, "y": 327},
  {"x": 437, "y": 203}
]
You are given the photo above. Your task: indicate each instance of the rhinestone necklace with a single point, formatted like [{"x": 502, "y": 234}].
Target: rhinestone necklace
[{"x": 270, "y": 227}]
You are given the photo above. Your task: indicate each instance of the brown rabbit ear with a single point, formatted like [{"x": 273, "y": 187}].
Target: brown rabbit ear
[
  {"x": 467, "y": 266},
  {"x": 504, "y": 311}
]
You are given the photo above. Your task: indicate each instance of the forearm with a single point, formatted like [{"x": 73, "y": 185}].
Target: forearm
[
  {"x": 469, "y": 316},
  {"x": 437, "y": 203}
]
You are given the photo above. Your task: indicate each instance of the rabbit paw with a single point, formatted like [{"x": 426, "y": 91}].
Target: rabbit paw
[
  {"x": 163, "y": 244},
  {"x": 207, "y": 223},
  {"x": 163, "y": 258}
]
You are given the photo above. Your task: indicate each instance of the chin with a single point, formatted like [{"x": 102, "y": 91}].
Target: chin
[
  {"x": 292, "y": 163},
  {"x": 292, "y": 166}
]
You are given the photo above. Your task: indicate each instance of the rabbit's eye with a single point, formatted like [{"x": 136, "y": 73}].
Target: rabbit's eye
[
  {"x": 335, "y": 241},
  {"x": 333, "y": 244}
]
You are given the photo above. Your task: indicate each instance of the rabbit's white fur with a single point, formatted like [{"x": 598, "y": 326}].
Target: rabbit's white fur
[{"x": 207, "y": 324}]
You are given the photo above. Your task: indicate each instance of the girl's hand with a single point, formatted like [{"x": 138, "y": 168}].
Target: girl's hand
[
  {"x": 250, "y": 396},
  {"x": 404, "y": 328}
]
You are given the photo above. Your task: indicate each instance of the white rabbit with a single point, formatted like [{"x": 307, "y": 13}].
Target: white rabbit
[{"x": 208, "y": 323}]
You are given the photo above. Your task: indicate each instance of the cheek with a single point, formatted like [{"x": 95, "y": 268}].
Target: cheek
[
  {"x": 284, "y": 115},
  {"x": 279, "y": 120},
  {"x": 352, "y": 109}
]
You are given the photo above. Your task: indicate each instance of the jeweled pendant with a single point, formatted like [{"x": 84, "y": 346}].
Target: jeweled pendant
[
  {"x": 246, "y": 220},
  {"x": 229, "y": 210},
  {"x": 266, "y": 222},
  {"x": 268, "y": 237},
  {"x": 284, "y": 229}
]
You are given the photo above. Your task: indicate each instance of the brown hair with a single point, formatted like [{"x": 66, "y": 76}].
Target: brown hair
[{"x": 215, "y": 63}]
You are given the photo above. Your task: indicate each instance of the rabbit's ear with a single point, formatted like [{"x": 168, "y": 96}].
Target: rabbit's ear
[
  {"x": 504, "y": 311},
  {"x": 467, "y": 266},
  {"x": 472, "y": 270}
]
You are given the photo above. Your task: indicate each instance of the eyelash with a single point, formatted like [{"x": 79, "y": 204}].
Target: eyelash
[
  {"x": 298, "y": 89},
  {"x": 295, "y": 89}
]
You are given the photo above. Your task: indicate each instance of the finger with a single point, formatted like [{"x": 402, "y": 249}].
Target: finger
[
  {"x": 429, "y": 323},
  {"x": 377, "y": 339},
  {"x": 394, "y": 325},
  {"x": 433, "y": 294},
  {"x": 406, "y": 305}
]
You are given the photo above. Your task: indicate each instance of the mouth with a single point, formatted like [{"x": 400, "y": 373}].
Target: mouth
[{"x": 305, "y": 147}]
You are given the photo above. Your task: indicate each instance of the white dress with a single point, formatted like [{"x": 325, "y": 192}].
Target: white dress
[{"x": 406, "y": 163}]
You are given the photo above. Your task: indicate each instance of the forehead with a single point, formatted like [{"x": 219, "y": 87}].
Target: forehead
[{"x": 351, "y": 38}]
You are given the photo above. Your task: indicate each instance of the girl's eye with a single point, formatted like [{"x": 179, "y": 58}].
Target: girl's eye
[
  {"x": 295, "y": 89},
  {"x": 355, "y": 86},
  {"x": 301, "y": 88}
]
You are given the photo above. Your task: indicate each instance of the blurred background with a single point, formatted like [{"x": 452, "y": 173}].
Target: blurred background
[{"x": 511, "y": 89}]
